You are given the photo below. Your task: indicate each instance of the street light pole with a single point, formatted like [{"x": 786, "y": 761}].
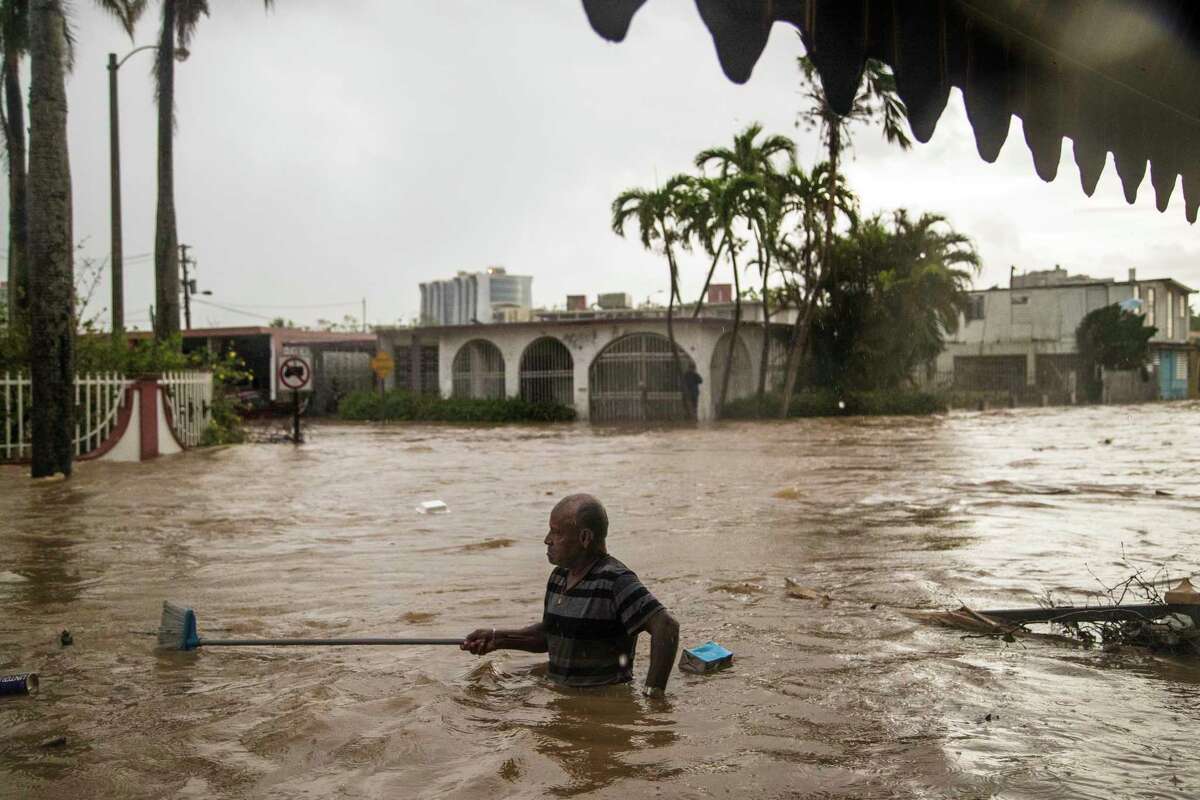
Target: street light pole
[{"x": 114, "y": 156}]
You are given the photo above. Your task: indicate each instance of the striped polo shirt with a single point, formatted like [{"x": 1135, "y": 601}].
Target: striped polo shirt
[{"x": 589, "y": 628}]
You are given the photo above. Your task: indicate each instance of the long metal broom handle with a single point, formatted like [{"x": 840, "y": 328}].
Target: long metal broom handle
[{"x": 287, "y": 642}]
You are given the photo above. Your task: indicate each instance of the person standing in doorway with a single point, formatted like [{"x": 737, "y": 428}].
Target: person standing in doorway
[{"x": 691, "y": 389}]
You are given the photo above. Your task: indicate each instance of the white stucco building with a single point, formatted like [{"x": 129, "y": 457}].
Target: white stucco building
[{"x": 609, "y": 366}]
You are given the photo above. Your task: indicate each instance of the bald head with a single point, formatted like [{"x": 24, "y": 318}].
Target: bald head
[{"x": 586, "y": 512}]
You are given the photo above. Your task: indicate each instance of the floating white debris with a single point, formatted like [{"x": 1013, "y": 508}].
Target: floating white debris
[{"x": 433, "y": 507}]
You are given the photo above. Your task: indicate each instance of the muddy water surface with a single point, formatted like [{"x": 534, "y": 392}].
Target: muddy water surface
[{"x": 847, "y": 699}]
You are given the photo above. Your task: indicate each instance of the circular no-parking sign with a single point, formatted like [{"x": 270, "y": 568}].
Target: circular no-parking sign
[{"x": 294, "y": 372}]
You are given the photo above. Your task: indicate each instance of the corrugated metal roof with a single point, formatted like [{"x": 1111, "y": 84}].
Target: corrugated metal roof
[{"x": 1115, "y": 76}]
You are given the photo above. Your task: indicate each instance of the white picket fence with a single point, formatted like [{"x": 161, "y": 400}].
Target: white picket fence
[
  {"x": 190, "y": 396},
  {"x": 99, "y": 399}
]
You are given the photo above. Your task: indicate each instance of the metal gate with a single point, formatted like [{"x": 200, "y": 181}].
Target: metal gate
[
  {"x": 633, "y": 379},
  {"x": 741, "y": 380},
  {"x": 548, "y": 372},
  {"x": 478, "y": 370}
]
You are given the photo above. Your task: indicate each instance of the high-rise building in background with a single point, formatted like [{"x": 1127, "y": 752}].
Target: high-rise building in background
[{"x": 477, "y": 297}]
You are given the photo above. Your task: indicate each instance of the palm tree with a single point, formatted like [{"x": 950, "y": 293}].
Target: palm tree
[
  {"x": 50, "y": 246},
  {"x": 876, "y": 101},
  {"x": 756, "y": 160},
  {"x": 707, "y": 208},
  {"x": 14, "y": 41},
  {"x": 50, "y": 249},
  {"x": 657, "y": 215},
  {"x": 178, "y": 26},
  {"x": 807, "y": 199},
  {"x": 905, "y": 284},
  {"x": 923, "y": 291}
]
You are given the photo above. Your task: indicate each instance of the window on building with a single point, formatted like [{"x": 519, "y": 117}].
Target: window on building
[
  {"x": 975, "y": 306},
  {"x": 1170, "y": 315},
  {"x": 1020, "y": 299},
  {"x": 1183, "y": 309},
  {"x": 1150, "y": 306},
  {"x": 505, "y": 291}
]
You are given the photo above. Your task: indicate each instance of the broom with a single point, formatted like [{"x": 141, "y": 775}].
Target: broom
[{"x": 177, "y": 631}]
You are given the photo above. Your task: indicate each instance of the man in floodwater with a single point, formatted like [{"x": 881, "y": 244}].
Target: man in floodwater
[{"x": 595, "y": 607}]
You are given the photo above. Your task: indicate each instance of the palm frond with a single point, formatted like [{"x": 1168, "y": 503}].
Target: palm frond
[{"x": 127, "y": 12}]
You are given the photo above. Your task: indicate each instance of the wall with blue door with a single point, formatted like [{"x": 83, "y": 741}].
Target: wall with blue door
[{"x": 1172, "y": 374}]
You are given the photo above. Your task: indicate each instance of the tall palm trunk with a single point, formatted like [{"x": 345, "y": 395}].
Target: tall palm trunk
[
  {"x": 712, "y": 268},
  {"x": 674, "y": 291},
  {"x": 798, "y": 340},
  {"x": 733, "y": 338},
  {"x": 835, "y": 149},
  {"x": 166, "y": 238},
  {"x": 797, "y": 345},
  {"x": 764, "y": 356},
  {"x": 50, "y": 251},
  {"x": 18, "y": 213}
]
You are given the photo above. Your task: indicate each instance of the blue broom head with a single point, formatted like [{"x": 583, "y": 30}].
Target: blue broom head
[{"x": 177, "y": 630}]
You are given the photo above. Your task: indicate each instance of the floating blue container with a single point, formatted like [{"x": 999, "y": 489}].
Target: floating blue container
[
  {"x": 708, "y": 657},
  {"x": 21, "y": 683}
]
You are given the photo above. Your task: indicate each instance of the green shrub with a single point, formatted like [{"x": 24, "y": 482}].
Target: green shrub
[
  {"x": 406, "y": 406},
  {"x": 828, "y": 403}
]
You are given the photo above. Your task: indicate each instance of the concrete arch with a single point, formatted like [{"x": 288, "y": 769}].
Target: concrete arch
[
  {"x": 547, "y": 372},
  {"x": 741, "y": 379},
  {"x": 478, "y": 370},
  {"x": 632, "y": 378}
]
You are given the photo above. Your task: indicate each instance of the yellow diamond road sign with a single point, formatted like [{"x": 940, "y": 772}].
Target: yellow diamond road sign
[{"x": 383, "y": 364}]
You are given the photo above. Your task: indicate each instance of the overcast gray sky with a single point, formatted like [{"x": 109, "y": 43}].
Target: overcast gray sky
[{"x": 328, "y": 152}]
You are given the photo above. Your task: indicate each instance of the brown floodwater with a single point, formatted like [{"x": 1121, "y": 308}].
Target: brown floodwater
[{"x": 851, "y": 699}]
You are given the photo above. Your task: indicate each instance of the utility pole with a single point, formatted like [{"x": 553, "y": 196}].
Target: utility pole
[
  {"x": 188, "y": 288},
  {"x": 114, "y": 154},
  {"x": 364, "y": 321}
]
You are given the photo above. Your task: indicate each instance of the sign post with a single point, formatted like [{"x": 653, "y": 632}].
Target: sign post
[
  {"x": 295, "y": 373},
  {"x": 383, "y": 364}
]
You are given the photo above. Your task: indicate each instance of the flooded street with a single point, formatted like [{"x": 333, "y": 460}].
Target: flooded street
[{"x": 851, "y": 700}]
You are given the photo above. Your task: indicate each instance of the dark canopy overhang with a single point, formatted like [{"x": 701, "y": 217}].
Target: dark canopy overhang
[{"x": 1119, "y": 76}]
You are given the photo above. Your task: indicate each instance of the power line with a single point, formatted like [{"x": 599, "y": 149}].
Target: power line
[
  {"x": 233, "y": 310},
  {"x": 314, "y": 305}
]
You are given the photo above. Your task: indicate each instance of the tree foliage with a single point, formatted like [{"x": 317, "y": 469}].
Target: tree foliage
[
  {"x": 1111, "y": 338},
  {"x": 902, "y": 284}
]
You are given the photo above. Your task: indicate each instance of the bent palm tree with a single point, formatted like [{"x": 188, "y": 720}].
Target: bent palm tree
[
  {"x": 708, "y": 208},
  {"x": 657, "y": 215},
  {"x": 756, "y": 160}
]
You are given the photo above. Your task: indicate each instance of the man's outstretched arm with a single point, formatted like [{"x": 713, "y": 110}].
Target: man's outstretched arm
[
  {"x": 664, "y": 642},
  {"x": 485, "y": 640}
]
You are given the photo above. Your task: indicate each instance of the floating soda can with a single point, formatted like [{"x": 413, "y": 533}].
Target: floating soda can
[
  {"x": 708, "y": 657},
  {"x": 21, "y": 683}
]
